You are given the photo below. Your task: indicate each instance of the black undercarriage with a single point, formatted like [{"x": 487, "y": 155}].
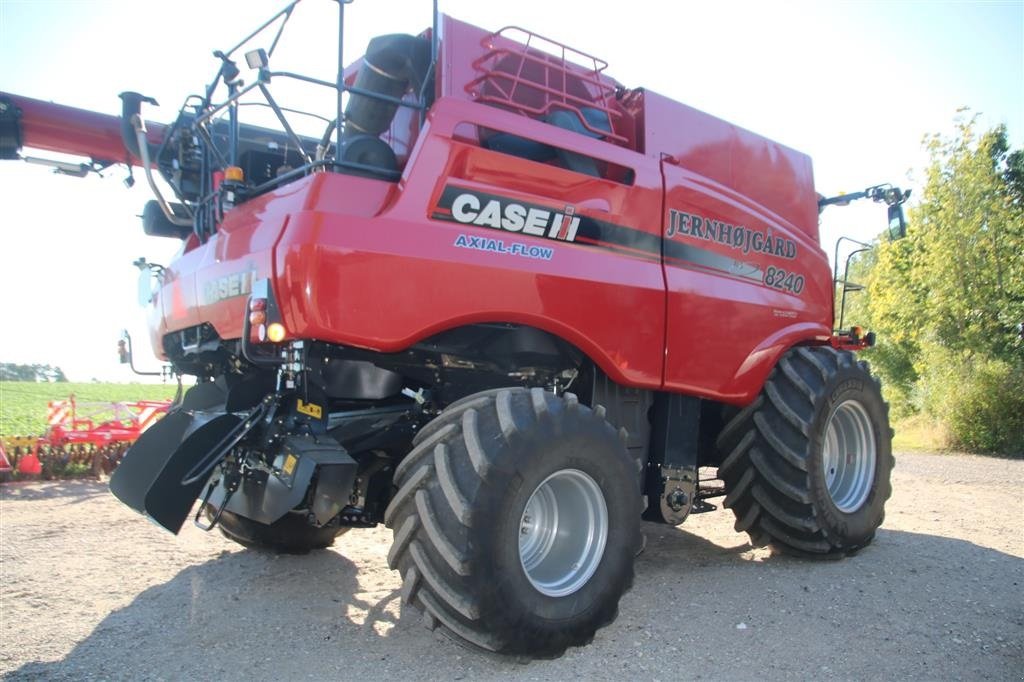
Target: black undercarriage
[{"x": 318, "y": 429}]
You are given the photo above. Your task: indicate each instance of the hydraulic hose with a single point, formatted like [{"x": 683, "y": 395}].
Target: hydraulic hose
[{"x": 143, "y": 150}]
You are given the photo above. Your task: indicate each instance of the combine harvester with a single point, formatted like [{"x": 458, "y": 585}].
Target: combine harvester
[
  {"x": 74, "y": 436},
  {"x": 499, "y": 302}
]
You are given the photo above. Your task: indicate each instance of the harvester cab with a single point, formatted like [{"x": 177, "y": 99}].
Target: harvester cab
[{"x": 484, "y": 294}]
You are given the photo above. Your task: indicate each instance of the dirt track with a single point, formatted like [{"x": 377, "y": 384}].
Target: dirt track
[{"x": 88, "y": 589}]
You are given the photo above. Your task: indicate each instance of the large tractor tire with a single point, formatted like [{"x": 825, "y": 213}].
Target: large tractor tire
[
  {"x": 516, "y": 520},
  {"x": 290, "y": 534},
  {"x": 807, "y": 464}
]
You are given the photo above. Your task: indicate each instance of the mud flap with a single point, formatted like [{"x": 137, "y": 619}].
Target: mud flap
[{"x": 160, "y": 474}]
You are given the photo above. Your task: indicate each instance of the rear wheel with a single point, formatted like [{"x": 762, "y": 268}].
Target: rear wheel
[
  {"x": 291, "y": 534},
  {"x": 807, "y": 464},
  {"x": 516, "y": 521}
]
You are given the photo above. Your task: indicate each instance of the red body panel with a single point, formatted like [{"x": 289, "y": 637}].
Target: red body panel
[
  {"x": 727, "y": 328},
  {"x": 690, "y": 263},
  {"x": 766, "y": 174}
]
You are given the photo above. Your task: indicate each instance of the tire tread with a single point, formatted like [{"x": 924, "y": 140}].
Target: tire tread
[
  {"x": 765, "y": 449},
  {"x": 433, "y": 516}
]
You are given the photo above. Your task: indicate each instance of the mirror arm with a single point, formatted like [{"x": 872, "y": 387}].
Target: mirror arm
[{"x": 124, "y": 348}]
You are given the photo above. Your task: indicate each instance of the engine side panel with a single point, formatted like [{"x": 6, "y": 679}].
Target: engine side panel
[{"x": 418, "y": 268}]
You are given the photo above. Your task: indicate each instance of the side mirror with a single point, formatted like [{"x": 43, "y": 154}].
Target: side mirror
[
  {"x": 897, "y": 222},
  {"x": 150, "y": 279},
  {"x": 122, "y": 352},
  {"x": 146, "y": 290}
]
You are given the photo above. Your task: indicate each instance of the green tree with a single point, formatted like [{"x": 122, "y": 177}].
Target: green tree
[
  {"x": 948, "y": 300},
  {"x": 10, "y": 371}
]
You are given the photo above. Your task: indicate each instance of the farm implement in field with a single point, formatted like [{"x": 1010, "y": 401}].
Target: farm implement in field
[{"x": 82, "y": 437}]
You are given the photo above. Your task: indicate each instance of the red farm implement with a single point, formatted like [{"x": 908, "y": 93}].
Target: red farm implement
[
  {"x": 6, "y": 470},
  {"x": 81, "y": 437}
]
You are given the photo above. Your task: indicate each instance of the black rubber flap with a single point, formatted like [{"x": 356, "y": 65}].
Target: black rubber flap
[
  {"x": 146, "y": 458},
  {"x": 149, "y": 479},
  {"x": 167, "y": 501},
  {"x": 209, "y": 395}
]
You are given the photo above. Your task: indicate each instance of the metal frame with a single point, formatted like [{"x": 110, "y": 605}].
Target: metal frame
[
  {"x": 205, "y": 110},
  {"x": 847, "y": 285},
  {"x": 603, "y": 91},
  {"x": 884, "y": 193}
]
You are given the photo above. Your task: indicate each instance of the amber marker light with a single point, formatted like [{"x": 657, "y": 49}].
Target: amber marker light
[
  {"x": 275, "y": 332},
  {"x": 234, "y": 174}
]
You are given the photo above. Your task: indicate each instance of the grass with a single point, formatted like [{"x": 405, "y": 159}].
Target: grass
[
  {"x": 23, "y": 403},
  {"x": 920, "y": 432}
]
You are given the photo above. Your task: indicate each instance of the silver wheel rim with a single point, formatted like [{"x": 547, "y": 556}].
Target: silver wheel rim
[
  {"x": 849, "y": 456},
  {"x": 563, "y": 532}
]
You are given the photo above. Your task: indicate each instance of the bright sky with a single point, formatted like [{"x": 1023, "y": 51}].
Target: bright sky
[{"x": 854, "y": 84}]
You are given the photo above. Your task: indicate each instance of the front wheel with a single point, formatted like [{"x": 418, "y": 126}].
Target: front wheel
[
  {"x": 807, "y": 464},
  {"x": 516, "y": 521}
]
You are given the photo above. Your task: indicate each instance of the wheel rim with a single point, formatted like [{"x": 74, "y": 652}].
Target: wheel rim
[
  {"x": 849, "y": 456},
  {"x": 562, "y": 532}
]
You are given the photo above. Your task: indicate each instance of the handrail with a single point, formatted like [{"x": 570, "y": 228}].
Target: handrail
[
  {"x": 202, "y": 119},
  {"x": 846, "y": 274},
  {"x": 507, "y": 84}
]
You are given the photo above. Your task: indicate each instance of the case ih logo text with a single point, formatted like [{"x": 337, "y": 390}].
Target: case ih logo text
[
  {"x": 743, "y": 239},
  {"x": 228, "y": 286},
  {"x": 474, "y": 208}
]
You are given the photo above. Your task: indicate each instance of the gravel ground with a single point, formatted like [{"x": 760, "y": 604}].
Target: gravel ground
[{"x": 88, "y": 589}]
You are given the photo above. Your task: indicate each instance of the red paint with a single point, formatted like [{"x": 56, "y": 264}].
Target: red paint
[
  {"x": 361, "y": 262},
  {"x": 69, "y": 130}
]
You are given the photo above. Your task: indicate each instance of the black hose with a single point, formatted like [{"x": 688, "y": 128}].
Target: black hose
[{"x": 393, "y": 64}]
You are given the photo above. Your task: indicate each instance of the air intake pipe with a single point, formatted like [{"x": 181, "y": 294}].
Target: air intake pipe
[{"x": 392, "y": 65}]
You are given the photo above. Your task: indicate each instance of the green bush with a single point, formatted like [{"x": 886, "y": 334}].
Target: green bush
[{"x": 982, "y": 403}]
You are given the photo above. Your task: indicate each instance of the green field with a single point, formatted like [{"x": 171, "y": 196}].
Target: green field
[{"x": 23, "y": 403}]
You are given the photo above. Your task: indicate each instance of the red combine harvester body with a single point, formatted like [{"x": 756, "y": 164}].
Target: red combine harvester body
[{"x": 502, "y": 305}]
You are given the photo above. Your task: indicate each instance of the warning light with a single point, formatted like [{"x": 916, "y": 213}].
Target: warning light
[
  {"x": 234, "y": 174},
  {"x": 275, "y": 332}
]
